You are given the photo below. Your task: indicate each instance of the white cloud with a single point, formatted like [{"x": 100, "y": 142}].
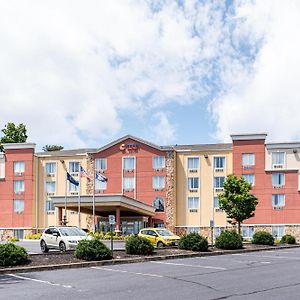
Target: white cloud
[{"x": 265, "y": 97}]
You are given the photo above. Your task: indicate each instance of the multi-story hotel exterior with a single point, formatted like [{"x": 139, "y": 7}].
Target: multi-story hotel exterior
[{"x": 148, "y": 185}]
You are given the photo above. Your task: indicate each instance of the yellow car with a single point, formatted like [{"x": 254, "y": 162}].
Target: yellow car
[{"x": 159, "y": 237}]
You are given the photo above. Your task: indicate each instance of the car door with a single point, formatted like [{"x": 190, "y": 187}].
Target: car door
[
  {"x": 48, "y": 237},
  {"x": 152, "y": 236},
  {"x": 55, "y": 237}
]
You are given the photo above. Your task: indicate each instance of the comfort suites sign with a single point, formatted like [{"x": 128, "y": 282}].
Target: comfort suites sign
[{"x": 129, "y": 147}]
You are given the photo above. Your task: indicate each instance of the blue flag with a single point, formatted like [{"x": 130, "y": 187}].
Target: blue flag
[
  {"x": 101, "y": 177},
  {"x": 72, "y": 180}
]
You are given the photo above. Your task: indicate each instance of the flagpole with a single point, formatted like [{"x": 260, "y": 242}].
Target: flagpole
[
  {"x": 64, "y": 221},
  {"x": 79, "y": 186},
  {"x": 94, "y": 198}
]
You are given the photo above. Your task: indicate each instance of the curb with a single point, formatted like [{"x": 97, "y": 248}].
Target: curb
[{"x": 135, "y": 260}]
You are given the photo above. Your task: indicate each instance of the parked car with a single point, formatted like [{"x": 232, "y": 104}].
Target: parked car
[
  {"x": 159, "y": 237},
  {"x": 62, "y": 238}
]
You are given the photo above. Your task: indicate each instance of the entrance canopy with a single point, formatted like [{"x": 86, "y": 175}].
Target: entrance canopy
[{"x": 105, "y": 205}]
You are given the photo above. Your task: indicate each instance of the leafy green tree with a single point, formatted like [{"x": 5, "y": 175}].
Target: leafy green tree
[
  {"x": 237, "y": 201},
  {"x": 13, "y": 134},
  {"x": 52, "y": 148}
]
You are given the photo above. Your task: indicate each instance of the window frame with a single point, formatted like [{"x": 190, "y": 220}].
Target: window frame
[
  {"x": 100, "y": 160},
  {"x": 159, "y": 187},
  {"x": 249, "y": 164},
  {"x": 159, "y": 166},
  {"x": 278, "y": 205},
  {"x": 193, "y": 169},
  {"x": 194, "y": 207},
  {"x": 247, "y": 175},
  {"x": 23, "y": 206}
]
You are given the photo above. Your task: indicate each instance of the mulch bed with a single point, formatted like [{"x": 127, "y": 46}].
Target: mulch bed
[{"x": 55, "y": 257}]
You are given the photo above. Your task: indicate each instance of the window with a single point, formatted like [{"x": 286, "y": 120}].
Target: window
[
  {"x": 49, "y": 206},
  {"x": 100, "y": 185},
  {"x": 158, "y": 182},
  {"x": 278, "y": 179},
  {"x": 18, "y": 206},
  {"x": 219, "y": 182},
  {"x": 249, "y": 178},
  {"x": 193, "y": 202},
  {"x": 216, "y": 203},
  {"x": 19, "y": 167},
  {"x": 18, "y": 186},
  {"x": 278, "y": 200},
  {"x": 18, "y": 233},
  {"x": 278, "y": 231},
  {"x": 128, "y": 163},
  {"x": 219, "y": 163},
  {"x": 128, "y": 183},
  {"x": 217, "y": 231},
  {"x": 158, "y": 203},
  {"x": 193, "y": 230},
  {"x": 247, "y": 232},
  {"x": 158, "y": 162},
  {"x": 193, "y": 163},
  {"x": 100, "y": 164},
  {"x": 50, "y": 168},
  {"x": 73, "y": 188},
  {"x": 50, "y": 187},
  {"x": 193, "y": 183},
  {"x": 278, "y": 159},
  {"x": 74, "y": 167},
  {"x": 248, "y": 160}
]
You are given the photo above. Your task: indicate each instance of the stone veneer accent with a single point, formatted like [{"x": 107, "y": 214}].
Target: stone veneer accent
[
  {"x": 90, "y": 174},
  {"x": 170, "y": 205}
]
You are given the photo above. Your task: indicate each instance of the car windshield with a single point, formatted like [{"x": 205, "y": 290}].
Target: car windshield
[
  {"x": 164, "y": 232},
  {"x": 72, "y": 232}
]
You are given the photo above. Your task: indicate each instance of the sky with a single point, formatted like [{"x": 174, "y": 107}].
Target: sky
[{"x": 84, "y": 73}]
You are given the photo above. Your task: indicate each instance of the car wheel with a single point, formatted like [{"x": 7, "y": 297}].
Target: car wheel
[
  {"x": 62, "y": 247},
  {"x": 44, "y": 247},
  {"x": 160, "y": 245}
]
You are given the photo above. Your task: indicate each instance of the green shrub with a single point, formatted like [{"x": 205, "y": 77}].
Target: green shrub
[
  {"x": 288, "y": 239},
  {"x": 92, "y": 250},
  {"x": 13, "y": 239},
  {"x": 229, "y": 239},
  {"x": 194, "y": 242},
  {"x": 263, "y": 238},
  {"x": 138, "y": 245},
  {"x": 12, "y": 255}
]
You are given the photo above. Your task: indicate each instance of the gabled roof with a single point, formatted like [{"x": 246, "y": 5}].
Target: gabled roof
[{"x": 161, "y": 148}]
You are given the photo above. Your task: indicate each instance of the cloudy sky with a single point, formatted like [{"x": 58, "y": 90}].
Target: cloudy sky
[{"x": 83, "y": 73}]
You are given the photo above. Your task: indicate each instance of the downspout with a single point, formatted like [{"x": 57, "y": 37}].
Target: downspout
[{"x": 36, "y": 194}]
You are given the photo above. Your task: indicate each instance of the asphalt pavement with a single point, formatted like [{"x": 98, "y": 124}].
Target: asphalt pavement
[{"x": 256, "y": 275}]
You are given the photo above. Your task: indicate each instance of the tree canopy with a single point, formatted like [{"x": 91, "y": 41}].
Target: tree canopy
[
  {"x": 237, "y": 201},
  {"x": 52, "y": 148},
  {"x": 13, "y": 134}
]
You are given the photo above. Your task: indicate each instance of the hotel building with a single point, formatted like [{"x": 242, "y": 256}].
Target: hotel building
[{"x": 148, "y": 185}]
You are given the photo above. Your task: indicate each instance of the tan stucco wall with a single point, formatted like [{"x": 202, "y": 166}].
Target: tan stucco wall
[
  {"x": 206, "y": 173},
  {"x": 45, "y": 219}
]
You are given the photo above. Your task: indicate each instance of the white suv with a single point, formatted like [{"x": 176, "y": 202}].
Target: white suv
[{"x": 62, "y": 238}]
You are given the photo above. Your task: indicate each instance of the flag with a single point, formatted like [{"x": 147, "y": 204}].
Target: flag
[
  {"x": 83, "y": 173},
  {"x": 101, "y": 177},
  {"x": 72, "y": 180}
]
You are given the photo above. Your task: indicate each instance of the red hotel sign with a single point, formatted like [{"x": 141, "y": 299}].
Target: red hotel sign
[{"x": 129, "y": 147}]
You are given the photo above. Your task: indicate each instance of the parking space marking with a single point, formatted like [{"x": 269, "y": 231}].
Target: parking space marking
[
  {"x": 192, "y": 266},
  {"x": 268, "y": 256},
  {"x": 40, "y": 281},
  {"x": 128, "y": 272}
]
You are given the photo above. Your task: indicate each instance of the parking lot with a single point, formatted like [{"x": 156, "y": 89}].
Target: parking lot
[{"x": 256, "y": 275}]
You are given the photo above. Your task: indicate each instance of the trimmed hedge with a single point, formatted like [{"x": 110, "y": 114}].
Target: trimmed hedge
[
  {"x": 229, "y": 240},
  {"x": 92, "y": 250},
  {"x": 13, "y": 255},
  {"x": 288, "y": 239},
  {"x": 193, "y": 241},
  {"x": 139, "y": 246},
  {"x": 263, "y": 238}
]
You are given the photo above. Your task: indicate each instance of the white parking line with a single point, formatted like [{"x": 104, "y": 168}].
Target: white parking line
[
  {"x": 267, "y": 256},
  {"x": 129, "y": 272},
  {"x": 192, "y": 266},
  {"x": 40, "y": 281}
]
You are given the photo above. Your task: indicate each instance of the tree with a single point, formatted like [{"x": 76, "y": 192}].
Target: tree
[
  {"x": 237, "y": 201},
  {"x": 13, "y": 134},
  {"x": 52, "y": 148}
]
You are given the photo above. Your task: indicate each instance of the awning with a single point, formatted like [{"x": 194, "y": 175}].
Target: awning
[{"x": 105, "y": 205}]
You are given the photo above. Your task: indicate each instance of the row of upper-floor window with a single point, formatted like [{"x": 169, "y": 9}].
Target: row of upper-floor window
[
  {"x": 194, "y": 182},
  {"x": 278, "y": 179},
  {"x": 193, "y": 163},
  {"x": 278, "y": 200},
  {"x": 278, "y": 159}
]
